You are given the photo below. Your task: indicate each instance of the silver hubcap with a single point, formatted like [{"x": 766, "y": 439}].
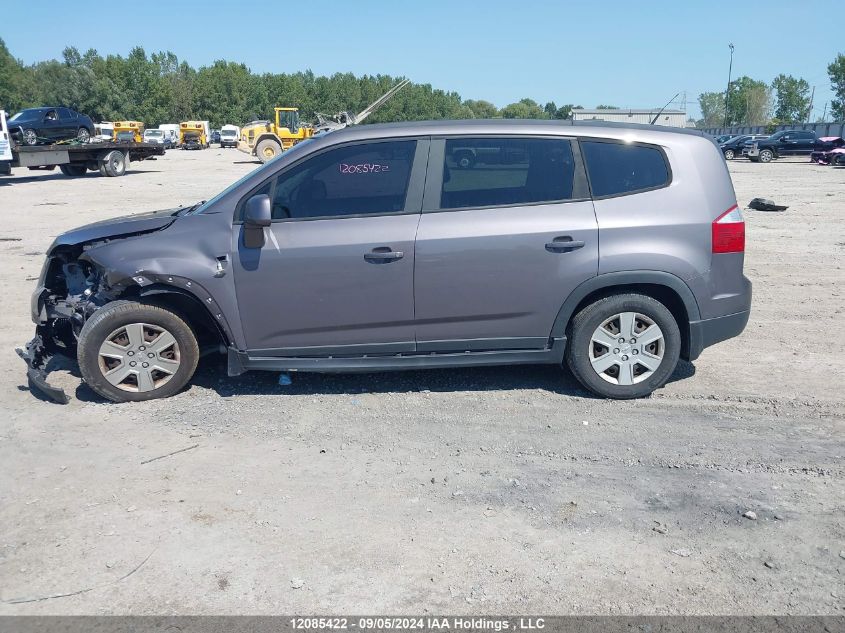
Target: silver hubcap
[
  {"x": 139, "y": 357},
  {"x": 30, "y": 137},
  {"x": 627, "y": 348}
]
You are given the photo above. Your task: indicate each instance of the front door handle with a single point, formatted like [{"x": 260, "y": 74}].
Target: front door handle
[
  {"x": 383, "y": 255},
  {"x": 563, "y": 244}
]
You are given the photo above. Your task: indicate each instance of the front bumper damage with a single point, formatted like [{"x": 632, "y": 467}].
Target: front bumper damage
[{"x": 37, "y": 355}]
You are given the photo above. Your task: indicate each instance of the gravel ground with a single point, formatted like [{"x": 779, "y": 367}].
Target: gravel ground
[{"x": 465, "y": 491}]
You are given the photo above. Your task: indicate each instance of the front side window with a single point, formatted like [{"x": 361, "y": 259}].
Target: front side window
[
  {"x": 370, "y": 178},
  {"x": 619, "y": 168},
  {"x": 483, "y": 172}
]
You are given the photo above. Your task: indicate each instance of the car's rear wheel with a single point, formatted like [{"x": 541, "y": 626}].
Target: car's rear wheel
[
  {"x": 83, "y": 135},
  {"x": 624, "y": 346},
  {"x": 131, "y": 351},
  {"x": 729, "y": 154},
  {"x": 30, "y": 137},
  {"x": 766, "y": 156}
]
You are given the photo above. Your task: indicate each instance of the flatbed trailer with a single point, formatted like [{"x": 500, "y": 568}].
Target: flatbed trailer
[{"x": 110, "y": 158}]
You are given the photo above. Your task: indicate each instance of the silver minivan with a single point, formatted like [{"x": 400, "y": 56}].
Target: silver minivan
[{"x": 613, "y": 249}]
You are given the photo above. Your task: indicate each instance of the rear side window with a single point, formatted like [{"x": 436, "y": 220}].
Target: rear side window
[
  {"x": 364, "y": 179},
  {"x": 619, "y": 168},
  {"x": 483, "y": 172}
]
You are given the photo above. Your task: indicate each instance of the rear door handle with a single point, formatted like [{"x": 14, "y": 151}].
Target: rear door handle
[
  {"x": 563, "y": 244},
  {"x": 383, "y": 255}
]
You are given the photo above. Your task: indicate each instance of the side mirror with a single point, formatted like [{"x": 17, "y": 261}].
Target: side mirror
[
  {"x": 257, "y": 211},
  {"x": 257, "y": 215}
]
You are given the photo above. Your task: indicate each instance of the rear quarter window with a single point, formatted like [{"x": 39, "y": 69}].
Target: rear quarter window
[{"x": 617, "y": 168}]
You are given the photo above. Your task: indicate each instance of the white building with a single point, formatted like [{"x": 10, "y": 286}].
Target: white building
[{"x": 673, "y": 118}]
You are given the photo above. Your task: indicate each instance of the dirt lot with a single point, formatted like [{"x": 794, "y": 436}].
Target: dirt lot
[{"x": 468, "y": 491}]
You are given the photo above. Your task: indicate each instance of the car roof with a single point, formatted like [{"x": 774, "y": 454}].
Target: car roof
[{"x": 606, "y": 129}]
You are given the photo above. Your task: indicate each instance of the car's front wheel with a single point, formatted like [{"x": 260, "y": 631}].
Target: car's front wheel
[
  {"x": 130, "y": 351},
  {"x": 30, "y": 137},
  {"x": 83, "y": 135},
  {"x": 729, "y": 154},
  {"x": 766, "y": 156},
  {"x": 624, "y": 346}
]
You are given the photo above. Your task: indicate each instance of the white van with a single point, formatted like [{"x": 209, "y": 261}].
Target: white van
[
  {"x": 229, "y": 135},
  {"x": 171, "y": 134}
]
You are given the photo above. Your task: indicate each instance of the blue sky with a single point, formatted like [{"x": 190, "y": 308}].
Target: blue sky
[{"x": 630, "y": 54}]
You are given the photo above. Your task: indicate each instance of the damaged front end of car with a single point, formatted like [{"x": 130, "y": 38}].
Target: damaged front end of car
[{"x": 71, "y": 288}]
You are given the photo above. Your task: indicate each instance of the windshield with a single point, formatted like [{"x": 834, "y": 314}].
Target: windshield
[
  {"x": 153, "y": 133},
  {"x": 777, "y": 135},
  {"x": 296, "y": 149},
  {"x": 228, "y": 133}
]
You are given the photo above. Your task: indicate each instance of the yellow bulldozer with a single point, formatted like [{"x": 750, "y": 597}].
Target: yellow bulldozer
[{"x": 268, "y": 139}]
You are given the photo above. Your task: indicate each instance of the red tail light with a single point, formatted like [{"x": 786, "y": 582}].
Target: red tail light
[{"x": 729, "y": 232}]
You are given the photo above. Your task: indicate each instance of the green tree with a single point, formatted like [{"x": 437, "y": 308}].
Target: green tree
[
  {"x": 792, "y": 99},
  {"x": 607, "y": 107},
  {"x": 481, "y": 109},
  {"x": 712, "y": 106},
  {"x": 749, "y": 102},
  {"x": 836, "y": 72},
  {"x": 524, "y": 109}
]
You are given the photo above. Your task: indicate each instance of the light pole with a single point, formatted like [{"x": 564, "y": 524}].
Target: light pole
[{"x": 727, "y": 90}]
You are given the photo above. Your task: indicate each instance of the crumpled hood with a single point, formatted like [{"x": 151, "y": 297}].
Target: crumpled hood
[{"x": 123, "y": 226}]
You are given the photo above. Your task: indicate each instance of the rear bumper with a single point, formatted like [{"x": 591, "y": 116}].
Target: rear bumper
[{"x": 711, "y": 331}]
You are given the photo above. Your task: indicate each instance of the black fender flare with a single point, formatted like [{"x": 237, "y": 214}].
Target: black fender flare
[
  {"x": 608, "y": 281},
  {"x": 195, "y": 292}
]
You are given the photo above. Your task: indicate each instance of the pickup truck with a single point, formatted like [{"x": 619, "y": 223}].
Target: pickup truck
[{"x": 783, "y": 143}]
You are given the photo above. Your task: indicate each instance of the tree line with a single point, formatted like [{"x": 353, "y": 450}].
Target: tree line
[
  {"x": 159, "y": 88},
  {"x": 786, "y": 100}
]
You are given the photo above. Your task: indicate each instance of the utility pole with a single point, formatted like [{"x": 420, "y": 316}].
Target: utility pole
[
  {"x": 730, "y": 69},
  {"x": 824, "y": 112},
  {"x": 810, "y": 109}
]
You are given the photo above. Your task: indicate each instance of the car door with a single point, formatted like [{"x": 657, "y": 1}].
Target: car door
[
  {"x": 335, "y": 274},
  {"x": 67, "y": 123},
  {"x": 806, "y": 142},
  {"x": 507, "y": 232},
  {"x": 50, "y": 125}
]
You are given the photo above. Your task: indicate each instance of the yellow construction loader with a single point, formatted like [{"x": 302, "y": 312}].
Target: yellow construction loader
[{"x": 268, "y": 139}]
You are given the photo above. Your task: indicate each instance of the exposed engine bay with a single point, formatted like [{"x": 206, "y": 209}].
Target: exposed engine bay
[{"x": 70, "y": 290}]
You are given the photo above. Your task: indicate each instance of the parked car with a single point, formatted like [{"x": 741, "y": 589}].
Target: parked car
[
  {"x": 413, "y": 263},
  {"x": 832, "y": 152},
  {"x": 47, "y": 125},
  {"x": 215, "y": 136},
  {"x": 733, "y": 146},
  {"x": 783, "y": 143}
]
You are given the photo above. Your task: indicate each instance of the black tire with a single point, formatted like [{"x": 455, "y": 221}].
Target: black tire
[
  {"x": 114, "y": 163},
  {"x": 729, "y": 154},
  {"x": 83, "y": 134},
  {"x": 73, "y": 170},
  {"x": 588, "y": 320},
  {"x": 267, "y": 150},
  {"x": 766, "y": 156},
  {"x": 113, "y": 316}
]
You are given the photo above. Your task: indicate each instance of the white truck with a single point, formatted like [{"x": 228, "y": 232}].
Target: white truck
[
  {"x": 5, "y": 147},
  {"x": 229, "y": 135},
  {"x": 171, "y": 134}
]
